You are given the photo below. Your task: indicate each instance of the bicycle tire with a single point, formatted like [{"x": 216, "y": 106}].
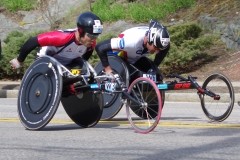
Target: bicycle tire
[
  {"x": 218, "y": 110},
  {"x": 145, "y": 91}
]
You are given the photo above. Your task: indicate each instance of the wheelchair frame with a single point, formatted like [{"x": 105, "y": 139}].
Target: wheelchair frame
[
  {"x": 84, "y": 108},
  {"x": 217, "y": 105}
]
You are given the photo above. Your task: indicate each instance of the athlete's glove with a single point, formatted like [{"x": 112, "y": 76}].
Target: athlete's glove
[
  {"x": 15, "y": 65},
  {"x": 111, "y": 74}
]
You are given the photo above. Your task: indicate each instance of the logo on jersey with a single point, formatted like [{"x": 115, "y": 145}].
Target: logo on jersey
[
  {"x": 139, "y": 52},
  {"x": 69, "y": 50},
  {"x": 121, "y": 43}
]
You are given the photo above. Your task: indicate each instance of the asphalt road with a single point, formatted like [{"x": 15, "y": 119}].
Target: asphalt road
[{"x": 184, "y": 133}]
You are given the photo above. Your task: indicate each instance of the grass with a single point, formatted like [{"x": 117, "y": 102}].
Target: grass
[
  {"x": 138, "y": 12},
  {"x": 15, "y": 5}
]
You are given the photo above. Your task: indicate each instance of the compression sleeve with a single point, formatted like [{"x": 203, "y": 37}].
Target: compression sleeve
[
  {"x": 27, "y": 47},
  {"x": 102, "y": 48},
  {"x": 160, "y": 56},
  {"x": 89, "y": 52},
  {"x": 87, "y": 55}
]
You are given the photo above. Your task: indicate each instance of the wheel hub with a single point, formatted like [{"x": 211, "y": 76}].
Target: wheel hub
[{"x": 38, "y": 93}]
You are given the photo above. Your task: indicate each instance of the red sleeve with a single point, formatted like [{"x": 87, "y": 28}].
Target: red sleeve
[{"x": 55, "y": 38}]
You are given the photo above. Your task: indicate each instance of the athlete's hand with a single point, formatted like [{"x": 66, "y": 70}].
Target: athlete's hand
[
  {"x": 109, "y": 72},
  {"x": 15, "y": 64}
]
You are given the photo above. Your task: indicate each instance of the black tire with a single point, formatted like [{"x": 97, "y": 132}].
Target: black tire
[
  {"x": 85, "y": 109},
  {"x": 218, "y": 110},
  {"x": 163, "y": 97},
  {"x": 39, "y": 94},
  {"x": 112, "y": 104}
]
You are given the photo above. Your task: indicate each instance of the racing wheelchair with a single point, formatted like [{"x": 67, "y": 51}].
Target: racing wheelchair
[
  {"x": 43, "y": 87},
  {"x": 216, "y": 94}
]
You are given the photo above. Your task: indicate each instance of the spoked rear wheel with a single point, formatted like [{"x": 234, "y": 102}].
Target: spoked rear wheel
[
  {"x": 144, "y": 118},
  {"x": 218, "y": 110}
]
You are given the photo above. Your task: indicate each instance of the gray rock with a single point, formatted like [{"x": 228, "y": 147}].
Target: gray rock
[
  {"x": 229, "y": 32},
  {"x": 35, "y": 20}
]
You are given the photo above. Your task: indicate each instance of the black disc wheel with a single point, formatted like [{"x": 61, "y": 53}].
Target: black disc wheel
[
  {"x": 112, "y": 103},
  {"x": 218, "y": 109},
  {"x": 39, "y": 94},
  {"x": 85, "y": 108}
]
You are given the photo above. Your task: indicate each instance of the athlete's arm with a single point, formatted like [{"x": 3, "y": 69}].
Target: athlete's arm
[
  {"x": 102, "y": 48},
  {"x": 160, "y": 56},
  {"x": 27, "y": 47},
  {"x": 87, "y": 55},
  {"x": 54, "y": 38}
]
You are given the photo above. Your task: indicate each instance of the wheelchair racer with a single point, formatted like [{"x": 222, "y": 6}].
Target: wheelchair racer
[
  {"x": 69, "y": 47},
  {"x": 134, "y": 43}
]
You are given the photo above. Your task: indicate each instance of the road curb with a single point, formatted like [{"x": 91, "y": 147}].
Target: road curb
[
  {"x": 8, "y": 93},
  {"x": 172, "y": 97}
]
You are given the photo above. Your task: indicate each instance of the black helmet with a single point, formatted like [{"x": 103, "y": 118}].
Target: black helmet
[
  {"x": 90, "y": 23},
  {"x": 158, "y": 35}
]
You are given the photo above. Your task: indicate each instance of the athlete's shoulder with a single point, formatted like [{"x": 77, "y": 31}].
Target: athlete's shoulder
[
  {"x": 56, "y": 38},
  {"x": 67, "y": 30},
  {"x": 137, "y": 28}
]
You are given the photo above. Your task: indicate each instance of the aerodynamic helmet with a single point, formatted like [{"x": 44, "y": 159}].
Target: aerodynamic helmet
[
  {"x": 158, "y": 35},
  {"x": 89, "y": 23}
]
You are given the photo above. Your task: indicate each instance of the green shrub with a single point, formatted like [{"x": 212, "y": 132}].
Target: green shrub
[
  {"x": 190, "y": 54},
  {"x": 10, "y": 50},
  {"x": 12, "y": 34},
  {"x": 182, "y": 32},
  {"x": 189, "y": 49}
]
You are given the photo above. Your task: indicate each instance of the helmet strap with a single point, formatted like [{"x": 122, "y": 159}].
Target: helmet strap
[{"x": 79, "y": 33}]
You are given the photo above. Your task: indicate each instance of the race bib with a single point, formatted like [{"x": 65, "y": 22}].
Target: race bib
[
  {"x": 151, "y": 76},
  {"x": 110, "y": 86}
]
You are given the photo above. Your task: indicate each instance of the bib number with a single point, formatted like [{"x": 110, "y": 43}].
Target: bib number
[{"x": 151, "y": 76}]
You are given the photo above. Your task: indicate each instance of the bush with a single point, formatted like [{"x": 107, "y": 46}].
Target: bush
[
  {"x": 182, "y": 32},
  {"x": 10, "y": 50},
  {"x": 188, "y": 49}
]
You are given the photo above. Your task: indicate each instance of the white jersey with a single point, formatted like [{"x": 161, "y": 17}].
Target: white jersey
[{"x": 129, "y": 44}]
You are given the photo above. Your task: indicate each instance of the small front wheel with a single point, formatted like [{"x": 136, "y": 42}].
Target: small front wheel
[
  {"x": 218, "y": 110},
  {"x": 144, "y": 118}
]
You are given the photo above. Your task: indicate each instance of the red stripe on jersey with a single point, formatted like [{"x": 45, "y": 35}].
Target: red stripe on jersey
[
  {"x": 125, "y": 55},
  {"x": 55, "y": 38},
  {"x": 121, "y": 35}
]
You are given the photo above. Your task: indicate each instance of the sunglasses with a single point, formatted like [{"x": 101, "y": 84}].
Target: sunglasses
[{"x": 92, "y": 36}]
